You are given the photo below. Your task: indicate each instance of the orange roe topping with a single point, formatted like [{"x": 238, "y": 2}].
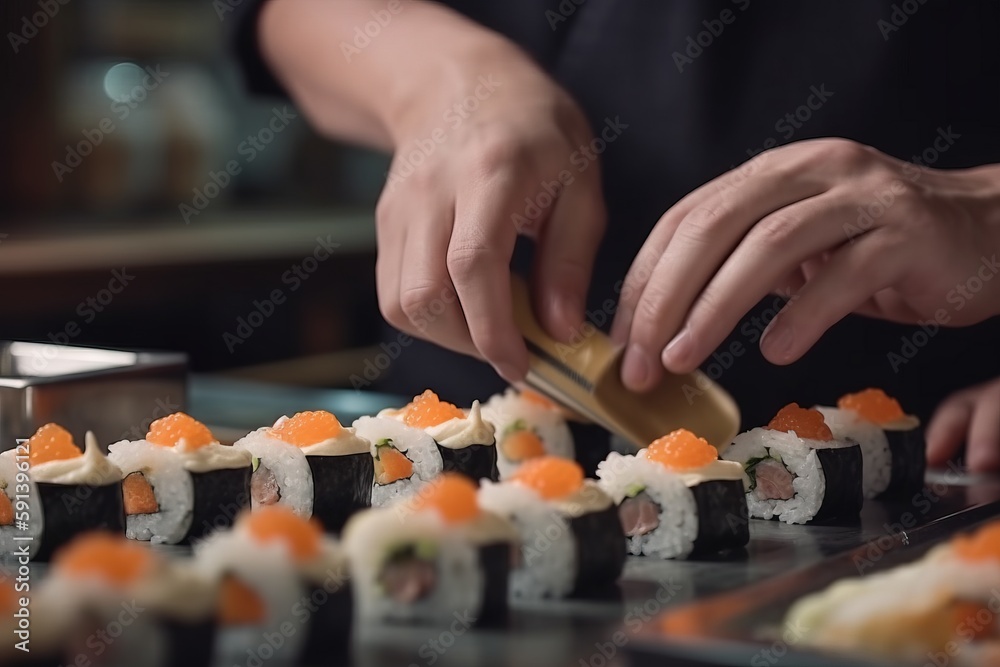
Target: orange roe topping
[
  {"x": 116, "y": 560},
  {"x": 278, "y": 523},
  {"x": 806, "y": 422},
  {"x": 239, "y": 604},
  {"x": 984, "y": 544},
  {"x": 550, "y": 476},
  {"x": 681, "y": 450},
  {"x": 171, "y": 429},
  {"x": 874, "y": 405},
  {"x": 51, "y": 443},
  {"x": 452, "y": 495},
  {"x": 428, "y": 410},
  {"x": 308, "y": 428},
  {"x": 8, "y": 598},
  {"x": 532, "y": 396}
]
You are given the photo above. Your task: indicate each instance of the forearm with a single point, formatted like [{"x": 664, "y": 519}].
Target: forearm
[{"x": 364, "y": 93}]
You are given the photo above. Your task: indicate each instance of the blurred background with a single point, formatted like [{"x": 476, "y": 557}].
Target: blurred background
[{"x": 148, "y": 201}]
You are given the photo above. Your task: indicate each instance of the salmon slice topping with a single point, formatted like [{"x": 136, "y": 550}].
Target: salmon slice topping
[
  {"x": 276, "y": 523},
  {"x": 169, "y": 431},
  {"x": 391, "y": 465},
  {"x": 308, "y": 428},
  {"x": 116, "y": 560},
  {"x": 51, "y": 443},
  {"x": 6, "y": 510},
  {"x": 873, "y": 405},
  {"x": 428, "y": 410},
  {"x": 806, "y": 422},
  {"x": 550, "y": 476},
  {"x": 681, "y": 450},
  {"x": 138, "y": 495},
  {"x": 520, "y": 443},
  {"x": 452, "y": 495},
  {"x": 239, "y": 604}
]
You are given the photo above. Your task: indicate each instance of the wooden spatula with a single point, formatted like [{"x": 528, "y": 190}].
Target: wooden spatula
[{"x": 586, "y": 378}]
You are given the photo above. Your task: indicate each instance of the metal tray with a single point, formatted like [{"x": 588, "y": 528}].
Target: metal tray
[{"x": 114, "y": 393}]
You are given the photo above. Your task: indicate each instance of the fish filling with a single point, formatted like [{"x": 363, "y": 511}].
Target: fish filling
[
  {"x": 138, "y": 495},
  {"x": 769, "y": 479},
  {"x": 410, "y": 573},
  {"x": 264, "y": 487},
  {"x": 639, "y": 513}
]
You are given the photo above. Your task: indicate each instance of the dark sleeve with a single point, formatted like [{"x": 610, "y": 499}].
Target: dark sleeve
[{"x": 257, "y": 76}]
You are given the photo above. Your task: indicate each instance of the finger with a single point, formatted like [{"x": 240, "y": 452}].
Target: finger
[
  {"x": 478, "y": 262},
  {"x": 849, "y": 279},
  {"x": 775, "y": 247},
  {"x": 946, "y": 432},
  {"x": 983, "y": 447},
  {"x": 426, "y": 293},
  {"x": 390, "y": 239},
  {"x": 565, "y": 257},
  {"x": 700, "y": 244}
]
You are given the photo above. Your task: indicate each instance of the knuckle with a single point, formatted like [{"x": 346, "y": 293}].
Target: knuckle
[
  {"x": 648, "y": 315},
  {"x": 416, "y": 299},
  {"x": 496, "y": 152},
  {"x": 843, "y": 154},
  {"x": 464, "y": 261},
  {"x": 776, "y": 230}
]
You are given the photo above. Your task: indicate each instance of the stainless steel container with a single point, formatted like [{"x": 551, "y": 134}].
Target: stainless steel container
[{"x": 114, "y": 393}]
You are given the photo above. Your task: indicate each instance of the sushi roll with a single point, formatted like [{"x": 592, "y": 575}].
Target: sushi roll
[
  {"x": 150, "y": 610},
  {"x": 465, "y": 442},
  {"x": 55, "y": 492},
  {"x": 37, "y": 630},
  {"x": 279, "y": 574},
  {"x": 797, "y": 471},
  {"x": 892, "y": 442},
  {"x": 404, "y": 459},
  {"x": 942, "y": 607},
  {"x": 528, "y": 425},
  {"x": 675, "y": 497},
  {"x": 446, "y": 555},
  {"x": 180, "y": 482},
  {"x": 572, "y": 542},
  {"x": 313, "y": 465}
]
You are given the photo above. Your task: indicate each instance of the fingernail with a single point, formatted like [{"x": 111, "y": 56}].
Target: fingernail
[
  {"x": 677, "y": 351},
  {"x": 509, "y": 372},
  {"x": 637, "y": 368},
  {"x": 776, "y": 342}
]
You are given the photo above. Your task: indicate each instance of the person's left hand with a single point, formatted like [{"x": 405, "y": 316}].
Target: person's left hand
[
  {"x": 970, "y": 416},
  {"x": 839, "y": 226}
]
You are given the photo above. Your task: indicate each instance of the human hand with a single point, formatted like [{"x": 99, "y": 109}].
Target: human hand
[
  {"x": 790, "y": 221},
  {"x": 446, "y": 222},
  {"x": 970, "y": 416}
]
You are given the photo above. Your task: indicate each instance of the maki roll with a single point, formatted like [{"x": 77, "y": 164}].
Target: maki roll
[
  {"x": 892, "y": 442},
  {"x": 165, "y": 610},
  {"x": 404, "y": 458},
  {"x": 38, "y": 631},
  {"x": 797, "y": 471},
  {"x": 938, "y": 610},
  {"x": 180, "y": 482},
  {"x": 465, "y": 442},
  {"x": 572, "y": 542},
  {"x": 528, "y": 425},
  {"x": 676, "y": 497},
  {"x": 446, "y": 555},
  {"x": 313, "y": 465},
  {"x": 279, "y": 574},
  {"x": 55, "y": 492}
]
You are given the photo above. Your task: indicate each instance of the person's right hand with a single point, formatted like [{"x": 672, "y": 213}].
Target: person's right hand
[{"x": 487, "y": 135}]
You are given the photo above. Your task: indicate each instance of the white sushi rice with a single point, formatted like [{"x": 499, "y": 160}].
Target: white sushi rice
[
  {"x": 36, "y": 515},
  {"x": 417, "y": 445},
  {"x": 271, "y": 574},
  {"x": 289, "y": 466},
  {"x": 370, "y": 537},
  {"x": 548, "y": 565},
  {"x": 172, "y": 488},
  {"x": 675, "y": 535},
  {"x": 798, "y": 457},
  {"x": 502, "y": 410},
  {"x": 875, "y": 452}
]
